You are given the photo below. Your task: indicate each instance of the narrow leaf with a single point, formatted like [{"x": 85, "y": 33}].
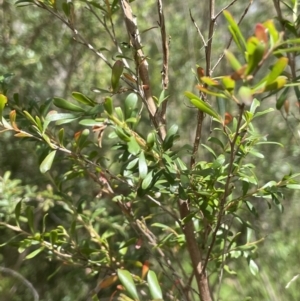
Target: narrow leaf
[
  {"x": 277, "y": 69},
  {"x": 116, "y": 73},
  {"x": 154, "y": 287},
  {"x": 47, "y": 162},
  {"x": 3, "y": 101},
  {"x": 83, "y": 99},
  {"x": 143, "y": 168},
  {"x": 67, "y": 105},
  {"x": 127, "y": 281},
  {"x": 34, "y": 253}
]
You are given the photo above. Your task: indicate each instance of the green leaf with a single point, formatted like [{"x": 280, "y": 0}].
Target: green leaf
[
  {"x": 133, "y": 146},
  {"x": 293, "y": 186},
  {"x": 210, "y": 92},
  {"x": 3, "y": 101},
  {"x": 151, "y": 140},
  {"x": 154, "y": 286},
  {"x": 34, "y": 253},
  {"x": 90, "y": 122},
  {"x": 30, "y": 218},
  {"x": 169, "y": 139},
  {"x": 228, "y": 83},
  {"x": 277, "y": 69},
  {"x": 127, "y": 281},
  {"x": 143, "y": 168},
  {"x": 202, "y": 105},
  {"x": 119, "y": 113},
  {"x": 256, "y": 50},
  {"x": 235, "y": 31},
  {"x": 253, "y": 267},
  {"x": 235, "y": 64},
  {"x": 53, "y": 237},
  {"x": 148, "y": 180},
  {"x": 245, "y": 95},
  {"x": 130, "y": 104},
  {"x": 17, "y": 212},
  {"x": 108, "y": 105},
  {"x": 47, "y": 162},
  {"x": 276, "y": 84},
  {"x": 29, "y": 117},
  {"x": 116, "y": 73},
  {"x": 210, "y": 81},
  {"x": 274, "y": 35},
  {"x": 66, "y": 105},
  {"x": 83, "y": 99},
  {"x": 54, "y": 116}
]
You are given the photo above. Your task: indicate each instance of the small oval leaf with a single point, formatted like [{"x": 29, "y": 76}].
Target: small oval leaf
[
  {"x": 127, "y": 281},
  {"x": 47, "y": 162},
  {"x": 154, "y": 287}
]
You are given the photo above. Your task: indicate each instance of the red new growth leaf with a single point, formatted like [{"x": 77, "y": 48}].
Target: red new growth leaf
[
  {"x": 261, "y": 33},
  {"x": 227, "y": 118}
]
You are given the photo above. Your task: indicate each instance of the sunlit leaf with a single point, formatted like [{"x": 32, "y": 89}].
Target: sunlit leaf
[
  {"x": 253, "y": 267},
  {"x": 154, "y": 287},
  {"x": 143, "y": 168},
  {"x": 130, "y": 104},
  {"x": 274, "y": 35},
  {"x": 202, "y": 105},
  {"x": 83, "y": 99},
  {"x": 34, "y": 253},
  {"x": 245, "y": 95},
  {"x": 47, "y": 162},
  {"x": 127, "y": 281},
  {"x": 235, "y": 31},
  {"x": 277, "y": 69},
  {"x": 228, "y": 83},
  {"x": 3, "y": 101},
  {"x": 261, "y": 33},
  {"x": 147, "y": 181},
  {"x": 255, "y": 50},
  {"x": 235, "y": 64},
  {"x": 66, "y": 105},
  {"x": 133, "y": 146},
  {"x": 210, "y": 81},
  {"x": 276, "y": 84}
]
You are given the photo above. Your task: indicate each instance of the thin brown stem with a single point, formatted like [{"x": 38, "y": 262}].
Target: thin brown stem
[
  {"x": 142, "y": 67},
  {"x": 165, "y": 52},
  {"x": 233, "y": 151}
]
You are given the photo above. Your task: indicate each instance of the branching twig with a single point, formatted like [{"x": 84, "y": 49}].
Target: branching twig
[
  {"x": 165, "y": 50},
  {"x": 75, "y": 31},
  {"x": 142, "y": 67},
  {"x": 233, "y": 151}
]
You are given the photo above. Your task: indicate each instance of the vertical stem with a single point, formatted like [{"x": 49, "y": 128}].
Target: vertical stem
[{"x": 195, "y": 253}]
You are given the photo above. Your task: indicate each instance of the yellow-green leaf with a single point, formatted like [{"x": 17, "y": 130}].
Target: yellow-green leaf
[
  {"x": 3, "y": 101},
  {"x": 277, "y": 69},
  {"x": 235, "y": 64},
  {"x": 47, "y": 162},
  {"x": 116, "y": 73},
  {"x": 202, "y": 105}
]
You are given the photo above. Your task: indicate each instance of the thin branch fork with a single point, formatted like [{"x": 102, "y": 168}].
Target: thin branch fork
[
  {"x": 233, "y": 152},
  {"x": 142, "y": 67},
  {"x": 165, "y": 50}
]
